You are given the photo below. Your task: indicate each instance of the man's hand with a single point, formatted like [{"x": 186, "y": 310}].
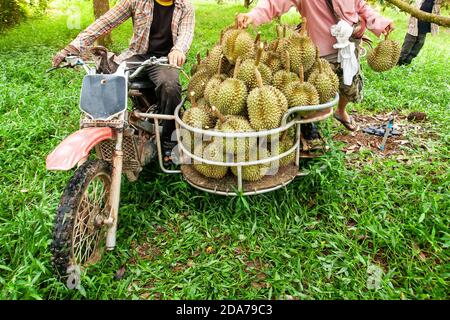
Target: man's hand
[
  {"x": 177, "y": 58},
  {"x": 389, "y": 29},
  {"x": 243, "y": 20},
  {"x": 60, "y": 56}
]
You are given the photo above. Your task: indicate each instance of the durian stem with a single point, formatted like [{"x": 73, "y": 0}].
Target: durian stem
[
  {"x": 278, "y": 32},
  {"x": 207, "y": 53},
  {"x": 303, "y": 29},
  {"x": 284, "y": 31},
  {"x": 199, "y": 58},
  {"x": 236, "y": 67},
  {"x": 301, "y": 74},
  {"x": 259, "y": 54},
  {"x": 218, "y": 114},
  {"x": 193, "y": 100},
  {"x": 258, "y": 38},
  {"x": 219, "y": 69},
  {"x": 288, "y": 62},
  {"x": 320, "y": 67},
  {"x": 259, "y": 80},
  {"x": 277, "y": 43}
]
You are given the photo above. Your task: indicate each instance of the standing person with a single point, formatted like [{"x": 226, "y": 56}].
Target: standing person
[
  {"x": 321, "y": 16},
  {"x": 160, "y": 28},
  {"x": 418, "y": 30}
]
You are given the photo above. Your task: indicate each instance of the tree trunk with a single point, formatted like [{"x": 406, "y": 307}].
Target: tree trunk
[
  {"x": 100, "y": 8},
  {"x": 419, "y": 14}
]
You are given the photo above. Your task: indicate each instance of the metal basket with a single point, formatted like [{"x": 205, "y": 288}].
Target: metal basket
[{"x": 236, "y": 185}]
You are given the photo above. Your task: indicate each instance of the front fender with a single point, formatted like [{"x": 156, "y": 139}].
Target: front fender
[{"x": 76, "y": 147}]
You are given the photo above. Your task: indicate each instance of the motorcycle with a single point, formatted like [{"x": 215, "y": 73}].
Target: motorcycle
[
  {"x": 115, "y": 141},
  {"x": 123, "y": 141}
]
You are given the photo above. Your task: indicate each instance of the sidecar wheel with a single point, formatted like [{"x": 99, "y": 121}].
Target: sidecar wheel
[{"x": 78, "y": 234}]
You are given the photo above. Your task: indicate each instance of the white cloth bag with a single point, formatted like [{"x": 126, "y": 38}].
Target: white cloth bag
[{"x": 346, "y": 50}]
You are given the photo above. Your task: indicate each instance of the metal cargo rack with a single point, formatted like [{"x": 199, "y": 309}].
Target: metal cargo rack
[{"x": 232, "y": 186}]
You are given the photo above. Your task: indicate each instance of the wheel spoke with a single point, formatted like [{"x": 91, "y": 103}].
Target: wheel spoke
[{"x": 85, "y": 237}]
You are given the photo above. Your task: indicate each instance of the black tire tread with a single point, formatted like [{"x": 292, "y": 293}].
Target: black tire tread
[{"x": 66, "y": 212}]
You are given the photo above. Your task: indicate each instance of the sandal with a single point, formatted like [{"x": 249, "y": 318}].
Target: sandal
[{"x": 350, "y": 125}]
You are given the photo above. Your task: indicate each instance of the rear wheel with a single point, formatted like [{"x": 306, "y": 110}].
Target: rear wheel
[{"x": 79, "y": 233}]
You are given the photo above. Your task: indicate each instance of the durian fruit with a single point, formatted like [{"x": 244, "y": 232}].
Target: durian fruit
[
  {"x": 213, "y": 85},
  {"x": 325, "y": 65},
  {"x": 326, "y": 83},
  {"x": 198, "y": 83},
  {"x": 279, "y": 45},
  {"x": 198, "y": 117},
  {"x": 302, "y": 50},
  {"x": 273, "y": 61},
  {"x": 231, "y": 96},
  {"x": 247, "y": 71},
  {"x": 256, "y": 172},
  {"x": 237, "y": 43},
  {"x": 284, "y": 144},
  {"x": 283, "y": 78},
  {"x": 234, "y": 124},
  {"x": 385, "y": 56},
  {"x": 215, "y": 57},
  {"x": 301, "y": 93},
  {"x": 265, "y": 105},
  {"x": 211, "y": 151},
  {"x": 203, "y": 104}
]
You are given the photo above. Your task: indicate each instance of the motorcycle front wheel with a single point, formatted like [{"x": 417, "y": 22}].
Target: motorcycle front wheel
[{"x": 79, "y": 234}]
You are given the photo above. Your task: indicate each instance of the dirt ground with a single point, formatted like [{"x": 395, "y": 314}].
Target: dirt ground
[{"x": 411, "y": 134}]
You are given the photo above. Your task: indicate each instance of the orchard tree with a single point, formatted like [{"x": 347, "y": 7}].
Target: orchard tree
[{"x": 100, "y": 8}]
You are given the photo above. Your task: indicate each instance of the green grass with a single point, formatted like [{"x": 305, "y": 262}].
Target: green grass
[{"x": 316, "y": 239}]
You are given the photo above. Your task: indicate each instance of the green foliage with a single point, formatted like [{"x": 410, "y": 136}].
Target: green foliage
[
  {"x": 13, "y": 11},
  {"x": 316, "y": 239}
]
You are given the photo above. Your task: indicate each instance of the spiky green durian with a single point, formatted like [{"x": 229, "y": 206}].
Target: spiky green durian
[
  {"x": 265, "y": 106},
  {"x": 256, "y": 172},
  {"x": 301, "y": 93},
  {"x": 247, "y": 71},
  {"x": 283, "y": 78},
  {"x": 326, "y": 83},
  {"x": 213, "y": 85},
  {"x": 231, "y": 96},
  {"x": 234, "y": 124},
  {"x": 385, "y": 56},
  {"x": 198, "y": 117},
  {"x": 302, "y": 50},
  {"x": 214, "y": 152}
]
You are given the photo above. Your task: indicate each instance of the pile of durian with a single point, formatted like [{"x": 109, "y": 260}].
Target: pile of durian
[{"x": 245, "y": 85}]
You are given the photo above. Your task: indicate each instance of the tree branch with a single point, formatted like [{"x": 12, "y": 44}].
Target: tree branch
[{"x": 421, "y": 15}]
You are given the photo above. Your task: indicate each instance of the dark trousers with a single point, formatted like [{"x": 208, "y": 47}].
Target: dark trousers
[
  {"x": 167, "y": 90},
  {"x": 411, "y": 47}
]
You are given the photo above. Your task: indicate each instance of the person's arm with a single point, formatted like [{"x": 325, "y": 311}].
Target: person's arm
[
  {"x": 98, "y": 28},
  {"x": 186, "y": 26},
  {"x": 375, "y": 22},
  {"x": 103, "y": 25},
  {"x": 264, "y": 12}
]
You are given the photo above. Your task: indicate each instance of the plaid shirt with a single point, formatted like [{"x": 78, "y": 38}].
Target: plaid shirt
[
  {"x": 141, "y": 11},
  {"x": 413, "y": 28}
]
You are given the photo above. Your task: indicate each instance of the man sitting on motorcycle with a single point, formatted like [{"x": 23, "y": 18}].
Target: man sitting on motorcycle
[{"x": 160, "y": 28}]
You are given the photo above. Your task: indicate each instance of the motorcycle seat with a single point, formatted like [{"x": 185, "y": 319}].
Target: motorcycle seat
[{"x": 141, "y": 84}]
